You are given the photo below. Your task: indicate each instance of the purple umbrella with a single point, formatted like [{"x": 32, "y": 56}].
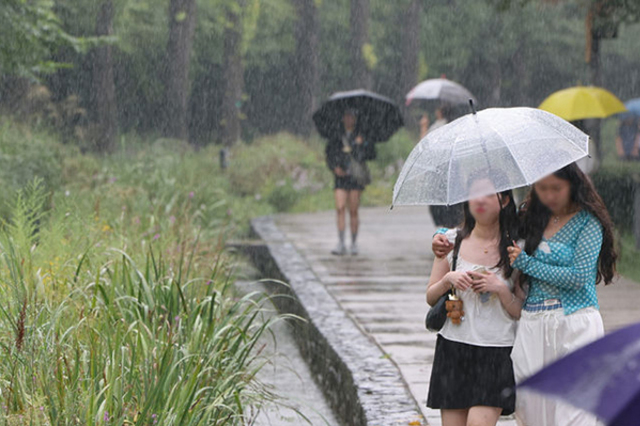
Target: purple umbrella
[{"x": 602, "y": 378}]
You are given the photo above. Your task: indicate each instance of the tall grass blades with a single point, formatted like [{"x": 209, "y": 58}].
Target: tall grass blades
[{"x": 93, "y": 335}]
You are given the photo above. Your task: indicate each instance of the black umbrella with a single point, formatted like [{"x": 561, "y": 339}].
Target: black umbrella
[{"x": 378, "y": 117}]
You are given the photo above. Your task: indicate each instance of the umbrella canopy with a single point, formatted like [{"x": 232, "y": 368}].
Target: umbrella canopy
[
  {"x": 602, "y": 378},
  {"x": 580, "y": 102},
  {"x": 440, "y": 89},
  {"x": 378, "y": 116},
  {"x": 513, "y": 147}
]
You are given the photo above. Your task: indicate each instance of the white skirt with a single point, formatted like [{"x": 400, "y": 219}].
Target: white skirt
[{"x": 543, "y": 337}]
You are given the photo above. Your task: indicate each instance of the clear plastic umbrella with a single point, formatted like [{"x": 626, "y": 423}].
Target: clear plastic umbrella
[{"x": 511, "y": 147}]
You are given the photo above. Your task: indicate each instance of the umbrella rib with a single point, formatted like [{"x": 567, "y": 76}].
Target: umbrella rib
[
  {"x": 512, "y": 155},
  {"x": 453, "y": 145},
  {"x": 406, "y": 174},
  {"x": 567, "y": 138}
]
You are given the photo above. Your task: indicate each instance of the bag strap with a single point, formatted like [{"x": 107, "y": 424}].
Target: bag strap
[
  {"x": 456, "y": 250},
  {"x": 454, "y": 261}
]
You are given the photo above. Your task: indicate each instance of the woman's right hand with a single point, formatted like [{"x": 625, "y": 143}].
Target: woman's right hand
[
  {"x": 514, "y": 252},
  {"x": 441, "y": 245},
  {"x": 459, "y": 280},
  {"x": 339, "y": 172}
]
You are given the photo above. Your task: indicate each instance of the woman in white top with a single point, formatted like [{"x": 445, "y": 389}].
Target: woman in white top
[{"x": 472, "y": 377}]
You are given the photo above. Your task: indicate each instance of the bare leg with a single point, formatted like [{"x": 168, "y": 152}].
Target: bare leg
[
  {"x": 341, "y": 197},
  {"x": 483, "y": 416},
  {"x": 354, "y": 205},
  {"x": 354, "y": 220},
  {"x": 454, "y": 417}
]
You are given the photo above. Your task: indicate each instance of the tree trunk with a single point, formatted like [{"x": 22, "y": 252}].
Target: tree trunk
[
  {"x": 182, "y": 21},
  {"x": 595, "y": 77},
  {"x": 359, "y": 37},
  {"x": 103, "y": 93},
  {"x": 233, "y": 77},
  {"x": 410, "y": 49},
  {"x": 305, "y": 76}
]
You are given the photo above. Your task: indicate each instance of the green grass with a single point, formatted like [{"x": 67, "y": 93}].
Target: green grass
[
  {"x": 117, "y": 305},
  {"x": 100, "y": 328}
]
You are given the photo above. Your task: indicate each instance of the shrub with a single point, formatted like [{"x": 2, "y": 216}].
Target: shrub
[
  {"x": 274, "y": 159},
  {"x": 617, "y": 189},
  {"x": 24, "y": 156},
  {"x": 283, "y": 196}
]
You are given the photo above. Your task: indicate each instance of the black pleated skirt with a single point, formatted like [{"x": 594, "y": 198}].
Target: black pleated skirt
[
  {"x": 347, "y": 183},
  {"x": 465, "y": 376}
]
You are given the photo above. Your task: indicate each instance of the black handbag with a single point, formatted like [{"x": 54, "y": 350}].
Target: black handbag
[
  {"x": 359, "y": 172},
  {"x": 437, "y": 315}
]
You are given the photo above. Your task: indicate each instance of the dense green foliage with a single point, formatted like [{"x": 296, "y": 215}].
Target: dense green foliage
[
  {"x": 31, "y": 33},
  {"x": 515, "y": 56},
  {"x": 115, "y": 288}
]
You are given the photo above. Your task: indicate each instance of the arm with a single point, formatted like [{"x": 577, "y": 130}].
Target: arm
[
  {"x": 440, "y": 245},
  {"x": 442, "y": 279},
  {"x": 619, "y": 147},
  {"x": 331, "y": 155},
  {"x": 576, "y": 275},
  {"x": 441, "y": 231},
  {"x": 511, "y": 303},
  {"x": 438, "y": 285},
  {"x": 635, "y": 151},
  {"x": 489, "y": 282}
]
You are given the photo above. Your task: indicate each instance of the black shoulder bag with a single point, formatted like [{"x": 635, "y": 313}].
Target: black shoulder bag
[{"x": 437, "y": 315}]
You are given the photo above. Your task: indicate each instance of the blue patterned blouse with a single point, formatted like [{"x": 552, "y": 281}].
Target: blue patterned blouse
[{"x": 565, "y": 266}]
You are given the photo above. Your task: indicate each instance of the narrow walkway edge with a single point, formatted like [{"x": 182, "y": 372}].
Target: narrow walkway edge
[{"x": 363, "y": 386}]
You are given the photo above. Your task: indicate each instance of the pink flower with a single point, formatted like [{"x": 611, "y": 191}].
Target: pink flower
[
  {"x": 155, "y": 237},
  {"x": 192, "y": 194}
]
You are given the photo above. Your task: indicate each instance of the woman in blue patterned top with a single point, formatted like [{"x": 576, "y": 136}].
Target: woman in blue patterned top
[{"x": 569, "y": 248}]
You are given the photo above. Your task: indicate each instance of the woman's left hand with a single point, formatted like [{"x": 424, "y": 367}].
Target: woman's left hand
[
  {"x": 484, "y": 282},
  {"x": 514, "y": 252},
  {"x": 359, "y": 140}
]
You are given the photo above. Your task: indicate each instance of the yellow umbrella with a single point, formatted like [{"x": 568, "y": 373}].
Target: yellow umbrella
[{"x": 577, "y": 103}]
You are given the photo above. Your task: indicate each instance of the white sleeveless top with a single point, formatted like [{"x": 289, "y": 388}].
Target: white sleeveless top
[{"x": 486, "y": 322}]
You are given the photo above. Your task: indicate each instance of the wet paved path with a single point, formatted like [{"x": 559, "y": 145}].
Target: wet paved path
[{"x": 383, "y": 288}]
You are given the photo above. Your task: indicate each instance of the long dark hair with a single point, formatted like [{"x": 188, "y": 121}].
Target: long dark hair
[
  {"x": 536, "y": 216},
  {"x": 508, "y": 220}
]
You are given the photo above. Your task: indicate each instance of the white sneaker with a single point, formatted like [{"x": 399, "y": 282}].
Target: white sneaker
[
  {"x": 354, "y": 249},
  {"x": 340, "y": 250}
]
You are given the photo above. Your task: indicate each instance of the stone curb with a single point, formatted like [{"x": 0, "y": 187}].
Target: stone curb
[{"x": 362, "y": 385}]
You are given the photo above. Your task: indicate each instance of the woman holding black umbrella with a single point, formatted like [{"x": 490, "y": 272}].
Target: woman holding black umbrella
[
  {"x": 353, "y": 122},
  {"x": 346, "y": 158}
]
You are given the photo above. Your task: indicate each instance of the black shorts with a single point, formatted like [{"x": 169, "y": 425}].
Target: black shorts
[
  {"x": 347, "y": 183},
  {"x": 465, "y": 376}
]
